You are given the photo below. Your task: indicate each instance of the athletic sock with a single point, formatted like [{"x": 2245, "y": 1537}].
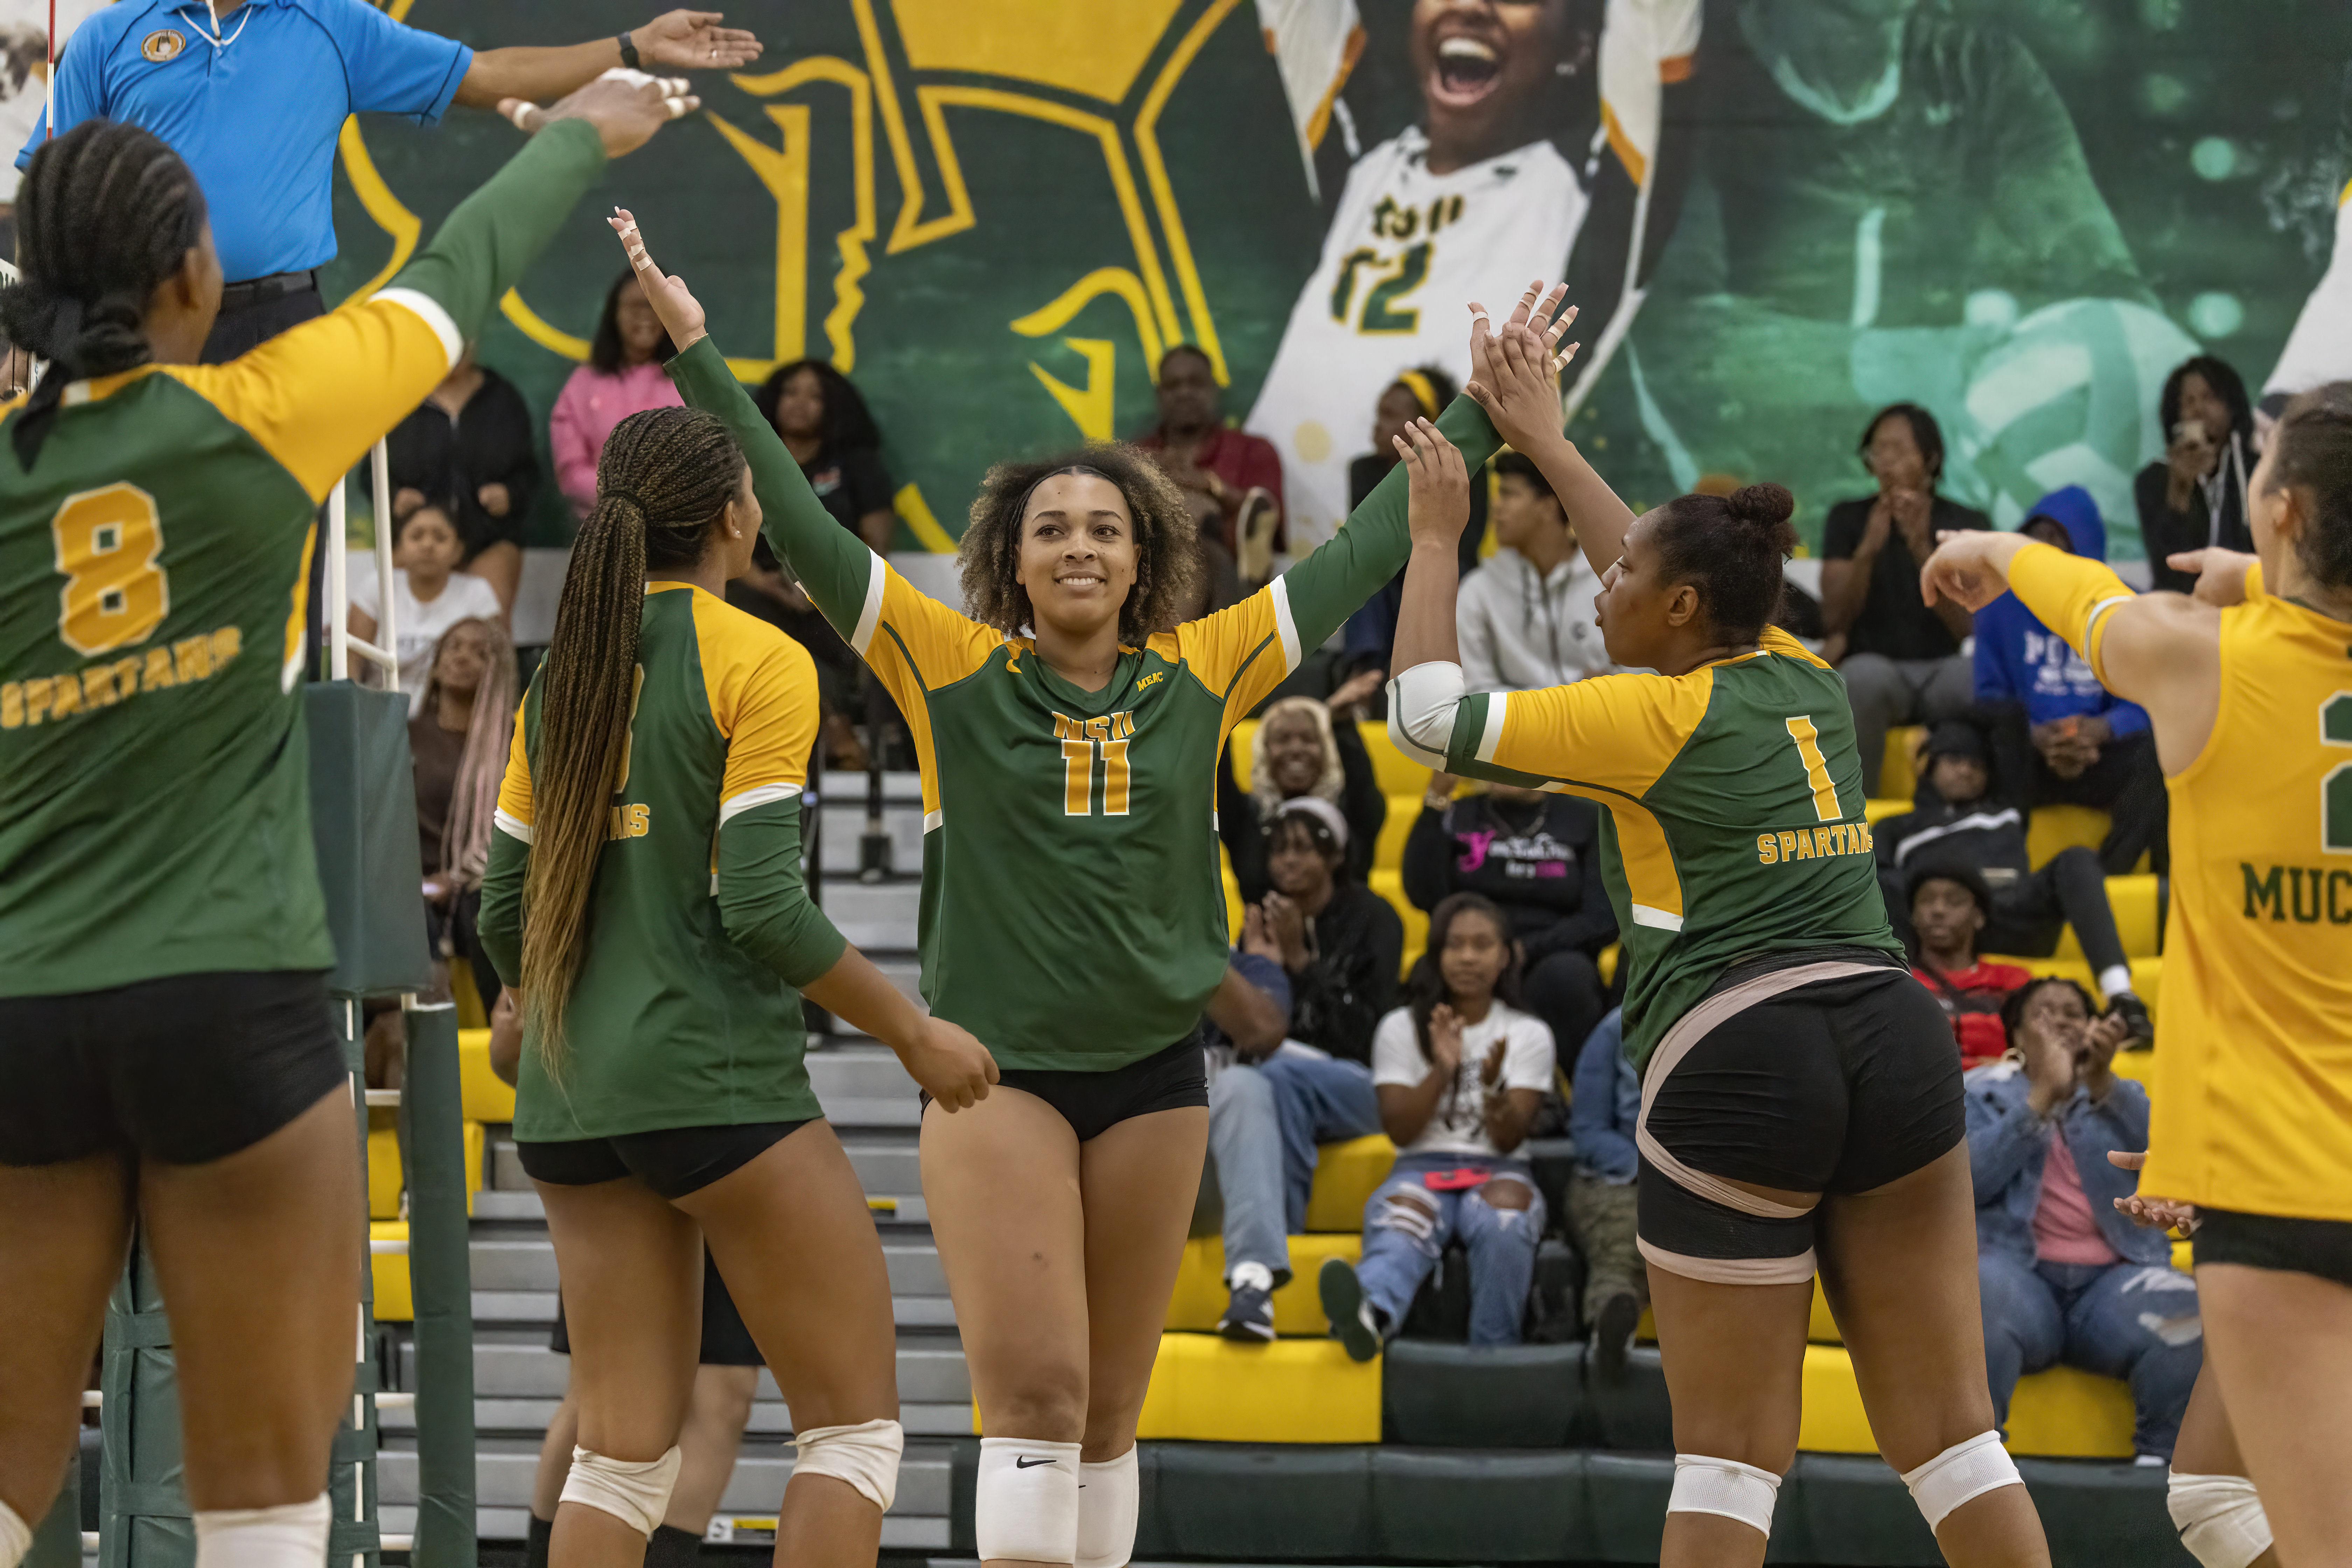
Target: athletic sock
[
  {"x": 543, "y": 1537},
  {"x": 671, "y": 1547}
]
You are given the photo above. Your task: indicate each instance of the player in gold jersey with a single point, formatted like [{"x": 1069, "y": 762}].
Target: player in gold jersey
[{"x": 2248, "y": 687}]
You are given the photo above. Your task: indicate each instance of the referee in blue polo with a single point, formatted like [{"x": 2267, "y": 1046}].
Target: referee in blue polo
[{"x": 253, "y": 93}]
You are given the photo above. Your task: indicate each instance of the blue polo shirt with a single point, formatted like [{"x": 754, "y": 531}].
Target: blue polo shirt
[{"x": 258, "y": 120}]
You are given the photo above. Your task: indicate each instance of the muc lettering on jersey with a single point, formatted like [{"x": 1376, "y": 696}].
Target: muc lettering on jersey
[
  {"x": 48, "y": 700},
  {"x": 1814, "y": 843},
  {"x": 2307, "y": 895}
]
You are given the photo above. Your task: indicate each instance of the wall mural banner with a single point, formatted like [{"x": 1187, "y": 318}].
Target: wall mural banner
[{"x": 1777, "y": 214}]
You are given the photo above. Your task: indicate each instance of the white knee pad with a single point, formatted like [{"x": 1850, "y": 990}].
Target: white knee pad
[
  {"x": 15, "y": 1537},
  {"x": 2219, "y": 1518},
  {"x": 1724, "y": 1486},
  {"x": 1025, "y": 1505},
  {"x": 291, "y": 1535},
  {"x": 1109, "y": 1499},
  {"x": 635, "y": 1492},
  {"x": 1962, "y": 1472},
  {"x": 865, "y": 1455}
]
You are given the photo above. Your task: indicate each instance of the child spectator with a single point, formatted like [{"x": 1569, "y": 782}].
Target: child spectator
[
  {"x": 471, "y": 440},
  {"x": 2195, "y": 496},
  {"x": 429, "y": 593},
  {"x": 1460, "y": 1072},
  {"x": 1955, "y": 822},
  {"x": 2059, "y": 736},
  {"x": 1601, "y": 1118},
  {"x": 1537, "y": 857},
  {"x": 1300, "y": 751},
  {"x": 1950, "y": 906},
  {"x": 2064, "y": 1278},
  {"x": 1341, "y": 944},
  {"x": 623, "y": 376},
  {"x": 1901, "y": 659},
  {"x": 1525, "y": 617}
]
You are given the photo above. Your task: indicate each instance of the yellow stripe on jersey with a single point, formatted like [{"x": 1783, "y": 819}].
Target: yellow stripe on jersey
[
  {"x": 2070, "y": 594},
  {"x": 514, "y": 790},
  {"x": 1239, "y": 654},
  {"x": 917, "y": 645},
  {"x": 761, "y": 686}
]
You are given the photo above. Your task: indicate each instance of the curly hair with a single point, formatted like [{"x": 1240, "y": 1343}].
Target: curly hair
[{"x": 1167, "y": 550}]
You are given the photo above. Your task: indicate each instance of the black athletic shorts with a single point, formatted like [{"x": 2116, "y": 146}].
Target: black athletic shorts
[
  {"x": 1094, "y": 1103},
  {"x": 185, "y": 1069},
  {"x": 1827, "y": 1072},
  {"x": 725, "y": 1340},
  {"x": 2316, "y": 1247},
  {"x": 672, "y": 1161}
]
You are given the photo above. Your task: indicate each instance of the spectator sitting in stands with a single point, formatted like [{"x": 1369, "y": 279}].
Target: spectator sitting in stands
[
  {"x": 1901, "y": 659},
  {"x": 1369, "y": 637},
  {"x": 471, "y": 440},
  {"x": 429, "y": 593},
  {"x": 2064, "y": 1278},
  {"x": 1954, "y": 821},
  {"x": 1225, "y": 473},
  {"x": 1460, "y": 1072},
  {"x": 1340, "y": 944},
  {"x": 1949, "y": 905},
  {"x": 1526, "y": 615},
  {"x": 1537, "y": 856},
  {"x": 1601, "y": 1118},
  {"x": 1300, "y": 751},
  {"x": 1270, "y": 1103},
  {"x": 2088, "y": 747},
  {"x": 623, "y": 376},
  {"x": 2195, "y": 496}
]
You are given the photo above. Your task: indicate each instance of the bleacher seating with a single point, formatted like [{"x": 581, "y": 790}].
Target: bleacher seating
[{"x": 483, "y": 1099}]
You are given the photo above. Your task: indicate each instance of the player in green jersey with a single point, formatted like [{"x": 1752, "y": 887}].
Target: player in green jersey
[
  {"x": 1801, "y": 1101},
  {"x": 166, "y": 1049},
  {"x": 645, "y": 898},
  {"x": 1072, "y": 915}
]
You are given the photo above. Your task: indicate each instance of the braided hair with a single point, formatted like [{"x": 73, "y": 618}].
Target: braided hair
[
  {"x": 662, "y": 479},
  {"x": 107, "y": 214}
]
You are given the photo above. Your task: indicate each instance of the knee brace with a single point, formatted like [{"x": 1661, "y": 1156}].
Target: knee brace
[
  {"x": 2219, "y": 1518},
  {"x": 1724, "y": 1486},
  {"x": 1961, "y": 1473},
  {"x": 865, "y": 1455},
  {"x": 15, "y": 1537},
  {"x": 1109, "y": 1499},
  {"x": 1026, "y": 1504},
  {"x": 291, "y": 1535},
  {"x": 635, "y": 1493}
]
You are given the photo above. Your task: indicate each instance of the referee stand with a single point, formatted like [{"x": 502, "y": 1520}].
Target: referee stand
[{"x": 364, "y": 814}]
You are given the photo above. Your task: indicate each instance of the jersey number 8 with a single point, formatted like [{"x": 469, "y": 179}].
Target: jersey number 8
[{"x": 107, "y": 543}]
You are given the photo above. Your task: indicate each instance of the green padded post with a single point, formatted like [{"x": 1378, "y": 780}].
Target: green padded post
[
  {"x": 440, "y": 1284},
  {"x": 146, "y": 1521},
  {"x": 58, "y": 1542},
  {"x": 364, "y": 824}
]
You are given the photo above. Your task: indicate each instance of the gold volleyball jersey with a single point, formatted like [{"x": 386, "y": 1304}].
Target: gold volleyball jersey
[{"x": 2254, "y": 1041}]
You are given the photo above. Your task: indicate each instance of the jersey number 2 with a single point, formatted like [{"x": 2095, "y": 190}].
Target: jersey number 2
[
  {"x": 1817, "y": 767},
  {"x": 1080, "y": 739},
  {"x": 107, "y": 543},
  {"x": 2336, "y": 788}
]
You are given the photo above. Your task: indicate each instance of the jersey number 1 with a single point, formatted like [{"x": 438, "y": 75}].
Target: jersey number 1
[
  {"x": 1080, "y": 739},
  {"x": 1817, "y": 767},
  {"x": 106, "y": 544}
]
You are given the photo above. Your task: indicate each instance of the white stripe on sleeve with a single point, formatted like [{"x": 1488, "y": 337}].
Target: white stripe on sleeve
[
  {"x": 871, "y": 616},
  {"x": 426, "y": 309}
]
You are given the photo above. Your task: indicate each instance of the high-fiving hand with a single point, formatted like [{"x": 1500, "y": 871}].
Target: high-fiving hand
[
  {"x": 680, "y": 310},
  {"x": 1515, "y": 373},
  {"x": 625, "y": 106}
]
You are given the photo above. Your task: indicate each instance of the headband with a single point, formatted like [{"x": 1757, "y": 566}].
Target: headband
[
  {"x": 1074, "y": 468},
  {"x": 1325, "y": 814},
  {"x": 1423, "y": 393}
]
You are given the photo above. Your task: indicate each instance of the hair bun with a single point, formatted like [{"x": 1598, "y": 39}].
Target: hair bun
[{"x": 1767, "y": 505}]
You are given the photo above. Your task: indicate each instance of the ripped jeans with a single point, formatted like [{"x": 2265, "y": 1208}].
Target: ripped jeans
[
  {"x": 1407, "y": 1226},
  {"x": 2136, "y": 1321}
]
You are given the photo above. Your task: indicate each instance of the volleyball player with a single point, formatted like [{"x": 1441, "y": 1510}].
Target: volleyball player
[
  {"x": 645, "y": 898},
  {"x": 1072, "y": 915},
  {"x": 165, "y": 1048},
  {"x": 2249, "y": 688},
  {"x": 1802, "y": 1101}
]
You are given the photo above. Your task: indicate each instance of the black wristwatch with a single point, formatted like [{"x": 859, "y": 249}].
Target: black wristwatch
[{"x": 629, "y": 53}]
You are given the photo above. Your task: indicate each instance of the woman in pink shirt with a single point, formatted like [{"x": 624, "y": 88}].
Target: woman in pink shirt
[{"x": 623, "y": 376}]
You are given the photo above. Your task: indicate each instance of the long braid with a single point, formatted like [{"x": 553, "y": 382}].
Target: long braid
[
  {"x": 106, "y": 214},
  {"x": 662, "y": 480}
]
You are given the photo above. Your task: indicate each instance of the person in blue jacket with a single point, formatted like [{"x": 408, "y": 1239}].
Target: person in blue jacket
[
  {"x": 1602, "y": 1117},
  {"x": 2060, "y": 737}
]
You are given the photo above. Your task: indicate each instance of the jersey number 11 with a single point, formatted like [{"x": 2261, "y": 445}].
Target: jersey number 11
[{"x": 1081, "y": 738}]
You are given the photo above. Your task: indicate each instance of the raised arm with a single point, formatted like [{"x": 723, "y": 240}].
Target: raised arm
[
  {"x": 1516, "y": 381},
  {"x": 678, "y": 40}
]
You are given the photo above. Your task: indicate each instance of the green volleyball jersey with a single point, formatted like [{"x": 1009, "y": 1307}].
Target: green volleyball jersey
[
  {"x": 1735, "y": 819},
  {"x": 154, "y": 801},
  {"x": 1073, "y": 915},
  {"x": 671, "y": 1023}
]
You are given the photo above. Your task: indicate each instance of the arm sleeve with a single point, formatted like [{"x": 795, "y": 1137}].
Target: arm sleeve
[
  {"x": 2070, "y": 594},
  {"x": 763, "y": 695},
  {"x": 500, "y": 922},
  {"x": 1428, "y": 867},
  {"x": 389, "y": 67},
  {"x": 762, "y": 901},
  {"x": 318, "y": 397}
]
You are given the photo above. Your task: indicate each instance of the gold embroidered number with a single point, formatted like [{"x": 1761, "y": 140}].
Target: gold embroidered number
[
  {"x": 1081, "y": 737},
  {"x": 107, "y": 541},
  {"x": 1817, "y": 767}
]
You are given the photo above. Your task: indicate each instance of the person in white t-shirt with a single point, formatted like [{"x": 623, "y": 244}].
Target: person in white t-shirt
[
  {"x": 429, "y": 594},
  {"x": 1460, "y": 1071}
]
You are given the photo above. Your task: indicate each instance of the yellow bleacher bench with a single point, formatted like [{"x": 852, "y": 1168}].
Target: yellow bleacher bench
[
  {"x": 2061, "y": 1414},
  {"x": 1388, "y": 851},
  {"x": 1345, "y": 1177},
  {"x": 386, "y": 1181},
  {"x": 1212, "y": 1390},
  {"x": 486, "y": 1097},
  {"x": 1390, "y": 885},
  {"x": 394, "y": 1303},
  {"x": 1200, "y": 1295}
]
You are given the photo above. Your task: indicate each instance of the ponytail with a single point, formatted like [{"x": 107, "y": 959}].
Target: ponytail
[{"x": 662, "y": 480}]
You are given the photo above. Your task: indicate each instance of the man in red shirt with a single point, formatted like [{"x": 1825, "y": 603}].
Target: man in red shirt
[
  {"x": 1223, "y": 471},
  {"x": 1949, "y": 905}
]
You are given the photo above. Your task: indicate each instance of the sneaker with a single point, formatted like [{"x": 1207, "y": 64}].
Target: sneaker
[
  {"x": 1353, "y": 1321},
  {"x": 1613, "y": 1332},
  {"x": 2134, "y": 1012},
  {"x": 1249, "y": 1316}
]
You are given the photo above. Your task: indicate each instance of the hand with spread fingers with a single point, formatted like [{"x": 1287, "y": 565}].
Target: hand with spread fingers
[
  {"x": 1515, "y": 371},
  {"x": 693, "y": 40},
  {"x": 2148, "y": 1212},
  {"x": 625, "y": 106},
  {"x": 681, "y": 314}
]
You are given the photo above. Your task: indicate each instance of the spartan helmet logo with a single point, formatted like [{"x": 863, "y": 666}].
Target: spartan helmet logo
[{"x": 163, "y": 44}]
